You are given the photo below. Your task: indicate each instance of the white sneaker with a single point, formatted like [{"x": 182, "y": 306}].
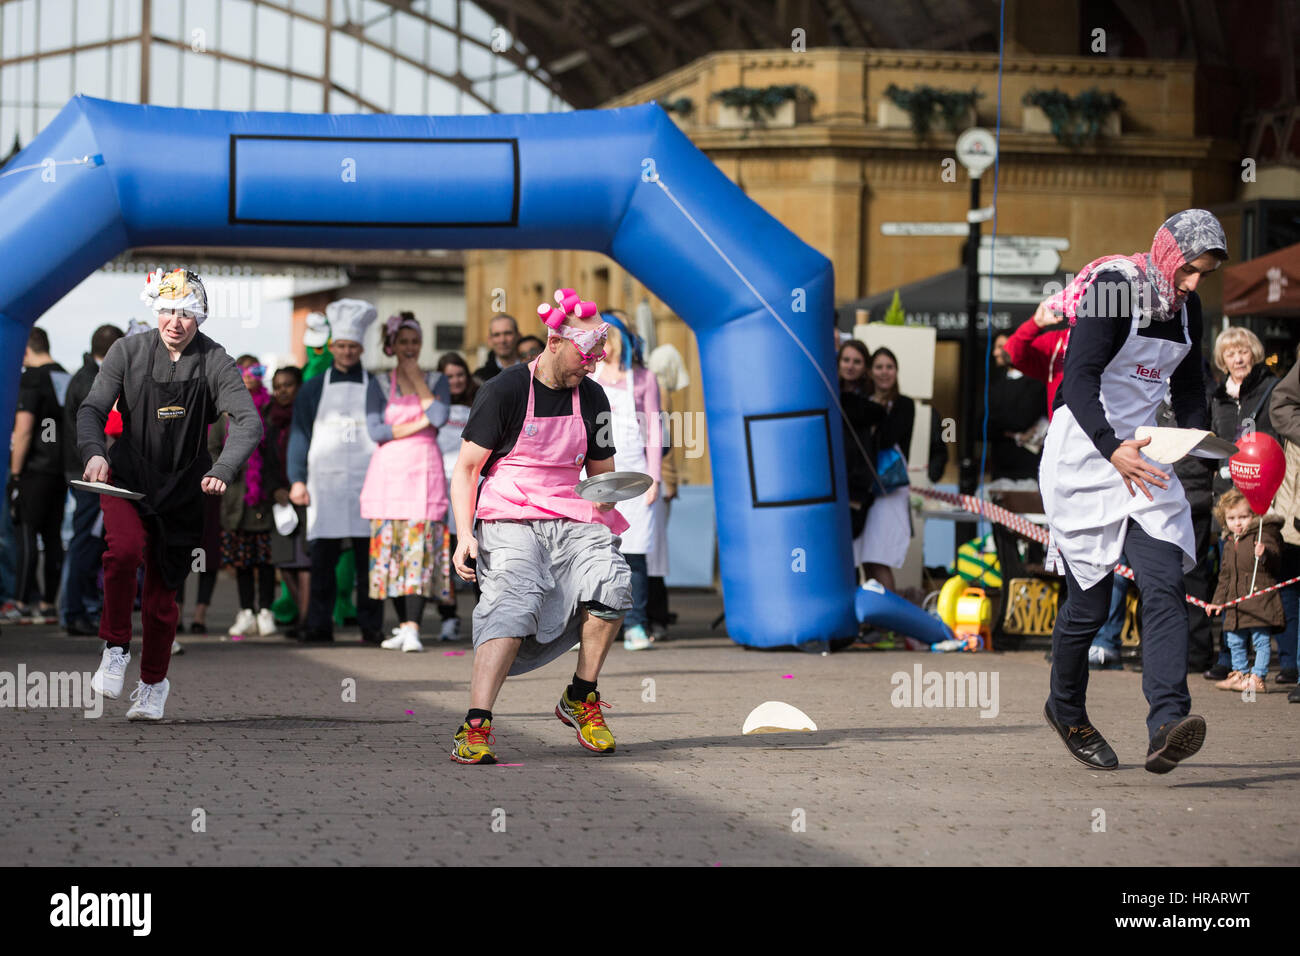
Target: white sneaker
[
  {"x": 635, "y": 639},
  {"x": 176, "y": 647},
  {"x": 265, "y": 622},
  {"x": 395, "y": 642},
  {"x": 149, "y": 700},
  {"x": 450, "y": 630},
  {"x": 411, "y": 639},
  {"x": 245, "y": 623},
  {"x": 112, "y": 672}
]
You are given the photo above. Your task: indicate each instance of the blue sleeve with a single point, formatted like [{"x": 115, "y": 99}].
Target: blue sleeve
[
  {"x": 304, "y": 419},
  {"x": 440, "y": 409},
  {"x": 376, "y": 402}
]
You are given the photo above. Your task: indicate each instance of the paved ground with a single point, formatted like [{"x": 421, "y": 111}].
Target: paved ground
[{"x": 260, "y": 740}]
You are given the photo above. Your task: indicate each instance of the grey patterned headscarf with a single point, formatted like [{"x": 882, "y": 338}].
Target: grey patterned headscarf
[{"x": 1183, "y": 237}]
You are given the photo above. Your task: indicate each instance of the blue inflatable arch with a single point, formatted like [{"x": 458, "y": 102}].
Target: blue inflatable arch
[{"x": 581, "y": 180}]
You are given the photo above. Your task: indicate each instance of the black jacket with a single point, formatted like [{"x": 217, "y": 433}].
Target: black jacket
[
  {"x": 1228, "y": 415},
  {"x": 863, "y": 417},
  {"x": 78, "y": 389}
]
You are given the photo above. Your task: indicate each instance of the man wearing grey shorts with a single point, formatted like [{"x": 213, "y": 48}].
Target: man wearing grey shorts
[{"x": 548, "y": 561}]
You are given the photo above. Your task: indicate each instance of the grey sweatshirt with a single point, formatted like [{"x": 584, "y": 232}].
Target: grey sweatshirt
[{"x": 123, "y": 374}]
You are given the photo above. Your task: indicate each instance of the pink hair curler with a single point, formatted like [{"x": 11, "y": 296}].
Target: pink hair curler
[
  {"x": 584, "y": 310},
  {"x": 549, "y": 314}
]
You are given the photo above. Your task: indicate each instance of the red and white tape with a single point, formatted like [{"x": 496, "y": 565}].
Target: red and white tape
[{"x": 1035, "y": 532}]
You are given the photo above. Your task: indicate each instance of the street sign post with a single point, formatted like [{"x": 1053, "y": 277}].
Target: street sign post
[
  {"x": 924, "y": 229},
  {"x": 1018, "y": 260},
  {"x": 977, "y": 149}
]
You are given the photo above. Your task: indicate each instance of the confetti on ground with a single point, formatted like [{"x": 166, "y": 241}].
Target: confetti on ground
[
  {"x": 453, "y": 653},
  {"x": 787, "y": 677},
  {"x": 236, "y": 637},
  {"x": 410, "y": 712},
  {"x": 509, "y": 765}
]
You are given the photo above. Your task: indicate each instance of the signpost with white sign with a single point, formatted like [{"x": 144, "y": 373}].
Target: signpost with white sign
[
  {"x": 924, "y": 229},
  {"x": 977, "y": 150},
  {"x": 1017, "y": 260}
]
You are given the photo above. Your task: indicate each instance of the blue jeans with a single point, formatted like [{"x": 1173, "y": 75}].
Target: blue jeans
[
  {"x": 85, "y": 552},
  {"x": 1259, "y": 637},
  {"x": 640, "y": 591}
]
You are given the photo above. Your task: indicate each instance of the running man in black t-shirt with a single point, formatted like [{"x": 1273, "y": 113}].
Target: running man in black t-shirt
[{"x": 547, "y": 560}]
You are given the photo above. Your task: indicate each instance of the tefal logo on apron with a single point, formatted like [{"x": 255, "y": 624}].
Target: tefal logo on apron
[
  {"x": 1150, "y": 373},
  {"x": 530, "y": 429},
  {"x": 171, "y": 411},
  {"x": 578, "y": 460}
]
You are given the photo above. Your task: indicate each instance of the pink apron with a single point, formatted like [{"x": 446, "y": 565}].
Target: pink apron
[
  {"x": 405, "y": 481},
  {"x": 535, "y": 480}
]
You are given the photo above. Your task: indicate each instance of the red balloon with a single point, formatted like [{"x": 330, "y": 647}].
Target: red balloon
[{"x": 1257, "y": 469}]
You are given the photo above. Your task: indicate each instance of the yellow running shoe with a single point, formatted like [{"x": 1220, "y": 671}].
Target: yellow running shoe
[
  {"x": 585, "y": 717},
  {"x": 473, "y": 743}
]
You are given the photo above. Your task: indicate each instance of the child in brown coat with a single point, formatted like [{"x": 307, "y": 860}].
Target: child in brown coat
[{"x": 1256, "y": 620}]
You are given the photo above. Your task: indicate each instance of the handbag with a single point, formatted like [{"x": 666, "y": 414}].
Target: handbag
[{"x": 891, "y": 470}]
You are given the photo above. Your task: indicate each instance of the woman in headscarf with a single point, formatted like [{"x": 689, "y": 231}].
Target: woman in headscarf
[{"x": 1136, "y": 328}]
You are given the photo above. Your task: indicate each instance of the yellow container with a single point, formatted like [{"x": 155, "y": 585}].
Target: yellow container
[{"x": 975, "y": 617}]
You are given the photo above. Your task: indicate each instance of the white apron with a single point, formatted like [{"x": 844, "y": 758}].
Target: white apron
[
  {"x": 337, "y": 459},
  {"x": 629, "y": 455},
  {"x": 1084, "y": 497}
]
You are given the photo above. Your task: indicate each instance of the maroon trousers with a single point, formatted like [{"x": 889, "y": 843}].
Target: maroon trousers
[{"x": 128, "y": 548}]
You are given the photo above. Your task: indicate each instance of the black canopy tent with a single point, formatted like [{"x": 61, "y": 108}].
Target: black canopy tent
[{"x": 939, "y": 302}]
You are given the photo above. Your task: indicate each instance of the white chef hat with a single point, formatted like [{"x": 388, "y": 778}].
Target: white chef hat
[
  {"x": 349, "y": 319},
  {"x": 317, "y": 334},
  {"x": 177, "y": 291}
]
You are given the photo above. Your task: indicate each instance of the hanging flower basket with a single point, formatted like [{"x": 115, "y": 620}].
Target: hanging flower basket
[
  {"x": 1073, "y": 120},
  {"x": 922, "y": 108},
  {"x": 745, "y": 107}
]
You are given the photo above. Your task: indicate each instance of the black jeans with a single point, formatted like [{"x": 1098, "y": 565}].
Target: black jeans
[
  {"x": 1158, "y": 567},
  {"x": 324, "y": 588},
  {"x": 40, "y": 512}
]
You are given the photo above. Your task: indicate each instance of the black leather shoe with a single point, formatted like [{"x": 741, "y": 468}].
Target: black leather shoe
[
  {"x": 1287, "y": 675},
  {"x": 372, "y": 637},
  {"x": 316, "y": 637},
  {"x": 1085, "y": 744},
  {"x": 1294, "y": 696},
  {"x": 1174, "y": 742},
  {"x": 1217, "y": 672},
  {"x": 82, "y": 627}
]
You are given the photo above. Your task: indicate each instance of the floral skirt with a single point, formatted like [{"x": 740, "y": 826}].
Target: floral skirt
[
  {"x": 410, "y": 557},
  {"x": 245, "y": 549}
]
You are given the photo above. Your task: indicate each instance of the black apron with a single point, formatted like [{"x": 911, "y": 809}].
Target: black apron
[{"x": 171, "y": 425}]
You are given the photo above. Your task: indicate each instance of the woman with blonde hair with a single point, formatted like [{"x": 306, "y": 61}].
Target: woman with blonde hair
[{"x": 1241, "y": 403}]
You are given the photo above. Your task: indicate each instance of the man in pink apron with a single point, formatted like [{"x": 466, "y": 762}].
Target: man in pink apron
[{"x": 547, "y": 560}]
